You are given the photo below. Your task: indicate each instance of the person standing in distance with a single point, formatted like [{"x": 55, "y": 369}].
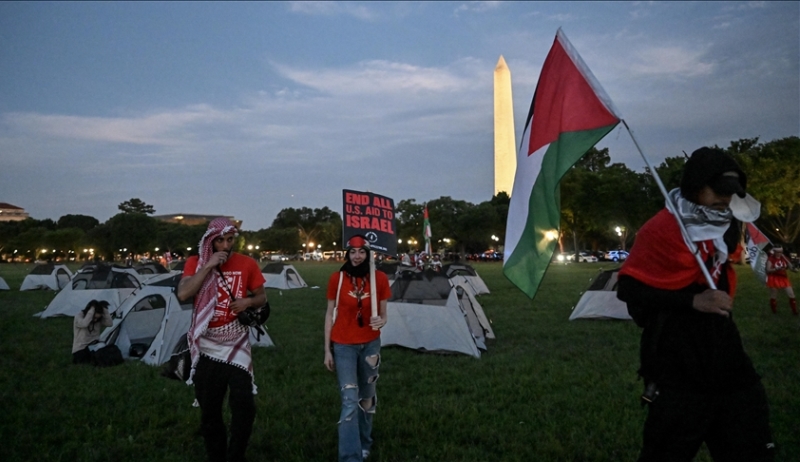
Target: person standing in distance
[
  {"x": 353, "y": 345},
  {"x": 700, "y": 385},
  {"x": 220, "y": 280},
  {"x": 777, "y": 264}
]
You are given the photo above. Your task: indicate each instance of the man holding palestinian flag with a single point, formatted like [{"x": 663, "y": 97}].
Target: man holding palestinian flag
[
  {"x": 677, "y": 281},
  {"x": 700, "y": 385}
]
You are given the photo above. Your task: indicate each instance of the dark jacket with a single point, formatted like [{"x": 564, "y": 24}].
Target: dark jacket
[{"x": 681, "y": 347}]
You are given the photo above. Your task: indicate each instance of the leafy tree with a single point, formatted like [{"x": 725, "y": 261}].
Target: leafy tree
[
  {"x": 136, "y": 205},
  {"x": 284, "y": 240},
  {"x": 475, "y": 224},
  {"x": 83, "y": 222},
  {"x": 444, "y": 214},
  {"x": 408, "y": 220},
  {"x": 132, "y": 231},
  {"x": 773, "y": 178},
  {"x": 65, "y": 240},
  {"x": 500, "y": 203},
  {"x": 29, "y": 242},
  {"x": 576, "y": 205},
  {"x": 622, "y": 200},
  {"x": 176, "y": 238},
  {"x": 309, "y": 224},
  {"x": 594, "y": 160}
]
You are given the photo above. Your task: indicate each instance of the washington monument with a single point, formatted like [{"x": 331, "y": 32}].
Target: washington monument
[{"x": 505, "y": 153}]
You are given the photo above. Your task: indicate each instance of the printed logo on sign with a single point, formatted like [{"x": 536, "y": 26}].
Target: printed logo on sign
[{"x": 371, "y": 237}]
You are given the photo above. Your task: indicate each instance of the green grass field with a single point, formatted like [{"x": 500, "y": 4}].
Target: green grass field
[{"x": 547, "y": 389}]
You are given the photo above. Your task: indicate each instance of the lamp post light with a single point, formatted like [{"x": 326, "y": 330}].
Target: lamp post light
[{"x": 622, "y": 234}]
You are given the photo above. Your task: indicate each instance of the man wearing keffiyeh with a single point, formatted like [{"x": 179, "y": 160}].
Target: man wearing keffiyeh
[
  {"x": 700, "y": 385},
  {"x": 220, "y": 280}
]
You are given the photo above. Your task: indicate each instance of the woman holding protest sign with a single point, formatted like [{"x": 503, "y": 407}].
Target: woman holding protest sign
[{"x": 356, "y": 312}]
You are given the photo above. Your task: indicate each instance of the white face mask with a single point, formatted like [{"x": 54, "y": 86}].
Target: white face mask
[{"x": 746, "y": 209}]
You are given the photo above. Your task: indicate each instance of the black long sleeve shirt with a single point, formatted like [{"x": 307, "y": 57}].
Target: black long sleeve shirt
[{"x": 681, "y": 347}]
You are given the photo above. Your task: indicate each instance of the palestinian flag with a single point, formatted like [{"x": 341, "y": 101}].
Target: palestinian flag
[
  {"x": 569, "y": 114},
  {"x": 426, "y": 232},
  {"x": 756, "y": 241}
]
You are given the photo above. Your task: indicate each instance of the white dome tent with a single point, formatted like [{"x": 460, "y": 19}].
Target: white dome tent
[{"x": 48, "y": 276}]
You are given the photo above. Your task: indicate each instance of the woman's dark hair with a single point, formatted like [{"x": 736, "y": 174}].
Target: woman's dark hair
[
  {"x": 99, "y": 306},
  {"x": 90, "y": 305}
]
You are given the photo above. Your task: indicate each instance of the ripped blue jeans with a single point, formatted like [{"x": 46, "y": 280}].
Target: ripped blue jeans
[{"x": 357, "y": 371}]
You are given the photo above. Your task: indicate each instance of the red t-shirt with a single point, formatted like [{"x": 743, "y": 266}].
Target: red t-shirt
[
  {"x": 345, "y": 328},
  {"x": 779, "y": 279},
  {"x": 242, "y": 274}
]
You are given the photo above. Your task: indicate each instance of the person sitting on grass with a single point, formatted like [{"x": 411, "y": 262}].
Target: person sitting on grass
[{"x": 86, "y": 330}]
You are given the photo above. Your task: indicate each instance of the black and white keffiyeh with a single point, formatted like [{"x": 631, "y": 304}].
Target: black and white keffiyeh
[{"x": 702, "y": 223}]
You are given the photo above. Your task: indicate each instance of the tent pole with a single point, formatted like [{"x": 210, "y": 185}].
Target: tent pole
[{"x": 373, "y": 298}]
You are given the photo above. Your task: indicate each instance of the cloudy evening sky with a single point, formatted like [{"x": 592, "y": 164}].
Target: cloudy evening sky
[{"x": 244, "y": 109}]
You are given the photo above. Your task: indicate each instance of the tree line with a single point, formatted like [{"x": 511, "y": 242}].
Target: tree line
[{"x": 602, "y": 207}]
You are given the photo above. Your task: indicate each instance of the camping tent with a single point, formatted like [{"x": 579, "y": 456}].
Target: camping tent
[
  {"x": 394, "y": 270},
  {"x": 600, "y": 299},
  {"x": 425, "y": 312},
  {"x": 282, "y": 276},
  {"x": 4, "y": 285},
  {"x": 152, "y": 271},
  {"x": 47, "y": 276},
  {"x": 96, "y": 282},
  {"x": 170, "y": 279},
  {"x": 152, "y": 324},
  {"x": 469, "y": 273}
]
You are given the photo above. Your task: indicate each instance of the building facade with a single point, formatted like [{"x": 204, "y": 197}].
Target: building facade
[{"x": 10, "y": 212}]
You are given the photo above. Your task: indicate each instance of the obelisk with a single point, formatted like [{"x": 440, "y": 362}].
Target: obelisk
[{"x": 505, "y": 153}]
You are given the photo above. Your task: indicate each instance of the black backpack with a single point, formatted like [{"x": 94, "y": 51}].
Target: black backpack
[{"x": 108, "y": 356}]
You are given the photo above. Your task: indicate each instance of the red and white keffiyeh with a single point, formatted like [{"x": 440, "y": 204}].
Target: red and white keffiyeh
[{"x": 206, "y": 298}]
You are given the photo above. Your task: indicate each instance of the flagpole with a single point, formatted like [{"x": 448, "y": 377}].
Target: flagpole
[
  {"x": 373, "y": 298},
  {"x": 671, "y": 207}
]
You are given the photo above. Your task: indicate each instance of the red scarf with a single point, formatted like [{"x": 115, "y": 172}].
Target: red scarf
[{"x": 660, "y": 258}]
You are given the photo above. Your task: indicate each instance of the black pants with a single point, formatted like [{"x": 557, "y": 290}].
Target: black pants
[
  {"x": 82, "y": 356},
  {"x": 734, "y": 426},
  {"x": 211, "y": 381}
]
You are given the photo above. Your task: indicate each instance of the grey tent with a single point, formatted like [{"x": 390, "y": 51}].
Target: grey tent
[
  {"x": 600, "y": 299},
  {"x": 3, "y": 284},
  {"x": 95, "y": 282},
  {"x": 152, "y": 324},
  {"x": 425, "y": 312},
  {"x": 395, "y": 270},
  {"x": 151, "y": 271},
  {"x": 177, "y": 265},
  {"x": 48, "y": 276},
  {"x": 170, "y": 279},
  {"x": 282, "y": 276},
  {"x": 469, "y": 274}
]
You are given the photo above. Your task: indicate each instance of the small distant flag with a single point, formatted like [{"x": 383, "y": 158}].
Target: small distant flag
[
  {"x": 756, "y": 241},
  {"x": 426, "y": 231}
]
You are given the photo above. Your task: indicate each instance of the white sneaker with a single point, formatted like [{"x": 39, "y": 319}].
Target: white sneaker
[{"x": 364, "y": 454}]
